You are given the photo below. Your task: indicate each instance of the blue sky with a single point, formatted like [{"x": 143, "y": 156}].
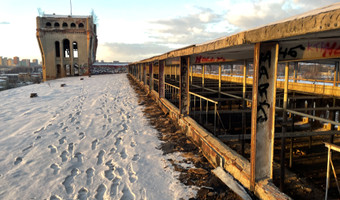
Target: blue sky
[{"x": 130, "y": 30}]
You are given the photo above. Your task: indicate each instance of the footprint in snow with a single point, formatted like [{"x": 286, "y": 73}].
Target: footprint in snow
[
  {"x": 71, "y": 148},
  {"x": 53, "y": 148},
  {"x": 80, "y": 157},
  {"x": 104, "y": 127},
  {"x": 82, "y": 135},
  {"x": 64, "y": 156},
  {"x": 94, "y": 144},
  {"x": 55, "y": 197},
  {"x": 89, "y": 176},
  {"x": 101, "y": 190},
  {"x": 109, "y": 133},
  {"x": 114, "y": 187},
  {"x": 100, "y": 157},
  {"x": 128, "y": 194},
  {"x": 123, "y": 153},
  {"x": 118, "y": 141},
  {"x": 109, "y": 174},
  {"x": 136, "y": 157},
  {"x": 82, "y": 194},
  {"x": 18, "y": 160},
  {"x": 62, "y": 140},
  {"x": 69, "y": 180},
  {"x": 56, "y": 168}
]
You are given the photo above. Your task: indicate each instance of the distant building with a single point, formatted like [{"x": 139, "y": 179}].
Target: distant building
[
  {"x": 26, "y": 62},
  {"x": 109, "y": 67},
  {"x": 35, "y": 62},
  {"x": 16, "y": 61},
  {"x": 10, "y": 62},
  {"x": 68, "y": 45},
  {"x": 1, "y": 63},
  {"x": 4, "y": 61}
]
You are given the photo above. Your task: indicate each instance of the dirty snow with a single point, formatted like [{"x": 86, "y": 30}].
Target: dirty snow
[{"x": 86, "y": 140}]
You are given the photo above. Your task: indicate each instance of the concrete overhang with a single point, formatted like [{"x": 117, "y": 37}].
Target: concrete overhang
[{"x": 316, "y": 24}]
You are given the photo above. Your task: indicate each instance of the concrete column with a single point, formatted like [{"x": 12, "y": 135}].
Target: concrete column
[
  {"x": 144, "y": 74},
  {"x": 151, "y": 86},
  {"x": 184, "y": 100},
  {"x": 263, "y": 112},
  {"x": 161, "y": 79},
  {"x": 62, "y": 69}
]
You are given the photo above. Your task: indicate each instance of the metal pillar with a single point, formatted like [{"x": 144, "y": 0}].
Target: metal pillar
[
  {"x": 191, "y": 73},
  {"x": 151, "y": 86},
  {"x": 284, "y": 128},
  {"x": 184, "y": 100},
  {"x": 244, "y": 122},
  {"x": 161, "y": 79},
  {"x": 219, "y": 80},
  {"x": 263, "y": 112},
  {"x": 203, "y": 76}
]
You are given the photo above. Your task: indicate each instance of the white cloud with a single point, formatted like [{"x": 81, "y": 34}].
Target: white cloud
[{"x": 130, "y": 52}]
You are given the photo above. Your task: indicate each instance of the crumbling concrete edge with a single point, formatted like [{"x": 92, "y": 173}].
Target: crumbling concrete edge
[{"x": 216, "y": 152}]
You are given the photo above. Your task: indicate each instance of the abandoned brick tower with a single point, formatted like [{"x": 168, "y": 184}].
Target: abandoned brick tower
[{"x": 68, "y": 45}]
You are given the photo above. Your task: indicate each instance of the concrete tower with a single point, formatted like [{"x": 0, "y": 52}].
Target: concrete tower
[{"x": 68, "y": 45}]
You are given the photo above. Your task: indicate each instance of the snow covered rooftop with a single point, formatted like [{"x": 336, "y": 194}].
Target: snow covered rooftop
[{"x": 86, "y": 140}]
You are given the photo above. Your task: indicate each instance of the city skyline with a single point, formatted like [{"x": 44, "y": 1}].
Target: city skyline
[{"x": 133, "y": 30}]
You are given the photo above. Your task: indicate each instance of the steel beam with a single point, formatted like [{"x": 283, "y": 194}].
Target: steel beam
[{"x": 263, "y": 112}]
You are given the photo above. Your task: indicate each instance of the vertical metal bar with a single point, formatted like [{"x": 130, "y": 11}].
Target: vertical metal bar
[
  {"x": 327, "y": 175},
  {"x": 296, "y": 68},
  {"x": 206, "y": 113},
  {"x": 201, "y": 110},
  {"x": 335, "y": 177},
  {"x": 194, "y": 106},
  {"x": 284, "y": 129},
  {"x": 191, "y": 74},
  {"x": 203, "y": 76},
  {"x": 244, "y": 105},
  {"x": 161, "y": 79},
  {"x": 219, "y": 80}
]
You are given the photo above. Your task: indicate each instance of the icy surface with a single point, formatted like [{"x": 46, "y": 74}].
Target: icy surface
[{"x": 86, "y": 140}]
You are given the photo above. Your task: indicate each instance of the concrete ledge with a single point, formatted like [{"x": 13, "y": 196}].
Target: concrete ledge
[{"x": 217, "y": 153}]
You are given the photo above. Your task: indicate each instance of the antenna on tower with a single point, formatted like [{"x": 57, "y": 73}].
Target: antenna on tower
[{"x": 71, "y": 7}]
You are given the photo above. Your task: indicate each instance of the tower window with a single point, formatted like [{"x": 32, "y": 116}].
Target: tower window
[
  {"x": 56, "y": 24},
  {"x": 73, "y": 25},
  {"x": 65, "y": 24},
  {"x": 48, "y": 24},
  {"x": 81, "y": 25}
]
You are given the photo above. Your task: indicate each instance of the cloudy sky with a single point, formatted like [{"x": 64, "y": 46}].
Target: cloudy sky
[{"x": 130, "y": 30}]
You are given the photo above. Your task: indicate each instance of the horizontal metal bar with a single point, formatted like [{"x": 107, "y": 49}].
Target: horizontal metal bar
[
  {"x": 312, "y": 117},
  {"x": 332, "y": 146}
]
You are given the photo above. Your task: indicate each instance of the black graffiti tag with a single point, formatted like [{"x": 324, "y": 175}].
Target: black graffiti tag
[
  {"x": 291, "y": 52},
  {"x": 260, "y": 108},
  {"x": 265, "y": 60}
]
